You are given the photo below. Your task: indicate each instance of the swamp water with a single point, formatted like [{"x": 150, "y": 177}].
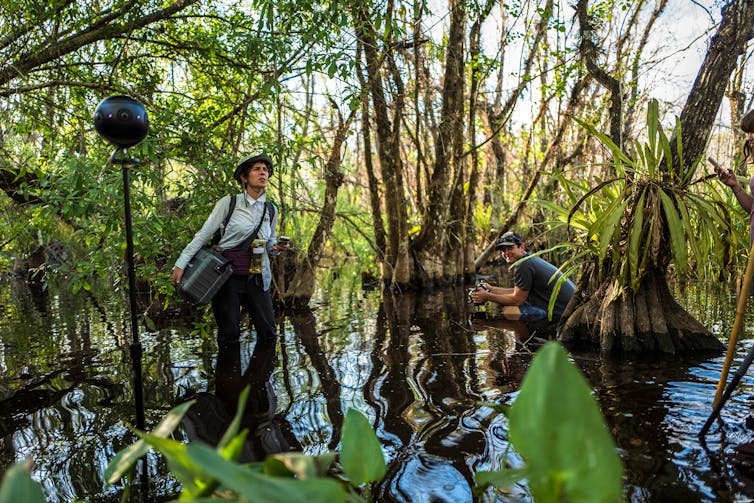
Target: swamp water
[{"x": 415, "y": 366}]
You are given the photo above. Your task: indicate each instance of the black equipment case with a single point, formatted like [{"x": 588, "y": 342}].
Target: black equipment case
[{"x": 204, "y": 275}]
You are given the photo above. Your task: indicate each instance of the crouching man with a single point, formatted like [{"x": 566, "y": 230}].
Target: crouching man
[{"x": 534, "y": 281}]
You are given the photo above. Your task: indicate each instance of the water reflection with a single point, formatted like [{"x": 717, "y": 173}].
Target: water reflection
[
  {"x": 415, "y": 365},
  {"x": 211, "y": 415}
]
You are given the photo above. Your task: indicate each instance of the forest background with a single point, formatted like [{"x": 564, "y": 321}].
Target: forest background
[{"x": 406, "y": 135}]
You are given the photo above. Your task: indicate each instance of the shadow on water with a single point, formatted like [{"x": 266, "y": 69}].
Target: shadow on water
[{"x": 420, "y": 368}]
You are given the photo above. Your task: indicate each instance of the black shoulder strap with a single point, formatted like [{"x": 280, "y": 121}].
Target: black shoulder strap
[
  {"x": 270, "y": 210},
  {"x": 253, "y": 235},
  {"x": 219, "y": 232}
]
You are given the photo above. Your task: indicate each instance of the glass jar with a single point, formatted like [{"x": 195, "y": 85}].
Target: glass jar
[{"x": 258, "y": 249}]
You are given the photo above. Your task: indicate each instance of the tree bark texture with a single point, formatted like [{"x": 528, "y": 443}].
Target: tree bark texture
[
  {"x": 433, "y": 244},
  {"x": 703, "y": 102},
  {"x": 646, "y": 321},
  {"x": 397, "y": 266},
  {"x": 588, "y": 50}
]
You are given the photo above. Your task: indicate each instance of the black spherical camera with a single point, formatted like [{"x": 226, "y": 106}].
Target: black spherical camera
[{"x": 121, "y": 120}]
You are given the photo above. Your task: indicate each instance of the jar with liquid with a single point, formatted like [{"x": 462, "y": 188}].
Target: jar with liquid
[{"x": 258, "y": 248}]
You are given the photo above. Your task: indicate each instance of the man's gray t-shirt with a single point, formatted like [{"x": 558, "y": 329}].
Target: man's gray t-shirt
[{"x": 535, "y": 275}]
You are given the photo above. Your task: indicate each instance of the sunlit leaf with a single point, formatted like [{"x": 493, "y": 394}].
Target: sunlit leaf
[
  {"x": 634, "y": 237},
  {"x": 260, "y": 488},
  {"x": 125, "y": 459},
  {"x": 677, "y": 233},
  {"x": 360, "y": 450},
  {"x": 557, "y": 427},
  {"x": 500, "y": 479},
  {"x": 302, "y": 466},
  {"x": 234, "y": 425},
  {"x": 652, "y": 123},
  {"x": 606, "y": 225}
]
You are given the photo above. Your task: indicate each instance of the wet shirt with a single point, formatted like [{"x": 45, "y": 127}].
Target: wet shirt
[
  {"x": 535, "y": 275},
  {"x": 242, "y": 223}
]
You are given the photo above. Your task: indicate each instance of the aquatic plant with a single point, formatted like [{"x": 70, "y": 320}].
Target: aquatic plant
[{"x": 556, "y": 425}]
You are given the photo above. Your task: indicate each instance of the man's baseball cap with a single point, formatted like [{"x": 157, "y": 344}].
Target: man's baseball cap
[
  {"x": 508, "y": 239},
  {"x": 250, "y": 161}
]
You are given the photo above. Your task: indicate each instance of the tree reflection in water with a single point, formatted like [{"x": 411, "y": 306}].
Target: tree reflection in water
[{"x": 412, "y": 363}]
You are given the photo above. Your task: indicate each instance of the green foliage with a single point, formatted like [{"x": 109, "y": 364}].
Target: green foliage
[
  {"x": 284, "y": 477},
  {"x": 647, "y": 214},
  {"x": 557, "y": 427},
  {"x": 362, "y": 462},
  {"x": 18, "y": 486}
]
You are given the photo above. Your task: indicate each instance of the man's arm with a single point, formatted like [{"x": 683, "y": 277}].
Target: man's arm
[{"x": 504, "y": 296}]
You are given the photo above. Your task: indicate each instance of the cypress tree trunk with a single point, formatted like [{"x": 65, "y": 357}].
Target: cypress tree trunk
[{"x": 646, "y": 321}]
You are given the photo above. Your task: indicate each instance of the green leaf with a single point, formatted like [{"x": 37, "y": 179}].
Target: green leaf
[
  {"x": 606, "y": 224},
  {"x": 235, "y": 424},
  {"x": 652, "y": 122},
  {"x": 557, "y": 427},
  {"x": 302, "y": 466},
  {"x": 360, "y": 451},
  {"x": 500, "y": 479},
  {"x": 262, "y": 488},
  {"x": 634, "y": 239},
  {"x": 18, "y": 486},
  {"x": 667, "y": 154},
  {"x": 125, "y": 459},
  {"x": 677, "y": 234}
]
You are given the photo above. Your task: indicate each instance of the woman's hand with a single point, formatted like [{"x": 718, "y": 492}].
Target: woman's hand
[
  {"x": 726, "y": 176},
  {"x": 176, "y": 274}
]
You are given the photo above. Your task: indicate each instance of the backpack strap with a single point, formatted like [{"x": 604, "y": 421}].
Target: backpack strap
[
  {"x": 219, "y": 232},
  {"x": 246, "y": 242},
  {"x": 270, "y": 210}
]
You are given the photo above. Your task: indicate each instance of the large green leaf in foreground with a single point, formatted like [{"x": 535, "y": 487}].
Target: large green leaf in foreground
[
  {"x": 18, "y": 486},
  {"x": 558, "y": 428}
]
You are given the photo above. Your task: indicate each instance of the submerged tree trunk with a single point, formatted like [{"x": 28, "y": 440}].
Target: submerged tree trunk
[
  {"x": 397, "y": 266},
  {"x": 646, "y": 321},
  {"x": 435, "y": 242}
]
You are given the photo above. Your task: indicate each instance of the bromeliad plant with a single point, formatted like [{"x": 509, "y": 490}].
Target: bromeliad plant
[
  {"x": 649, "y": 213},
  {"x": 628, "y": 230}
]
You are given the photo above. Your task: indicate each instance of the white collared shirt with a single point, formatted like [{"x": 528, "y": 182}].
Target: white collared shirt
[{"x": 242, "y": 223}]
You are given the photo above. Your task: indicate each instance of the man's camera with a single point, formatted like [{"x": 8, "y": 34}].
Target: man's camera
[{"x": 480, "y": 286}]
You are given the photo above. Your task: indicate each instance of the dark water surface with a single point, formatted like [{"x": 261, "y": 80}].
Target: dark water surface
[{"x": 414, "y": 365}]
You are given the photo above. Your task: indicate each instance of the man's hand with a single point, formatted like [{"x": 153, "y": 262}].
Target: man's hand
[{"x": 479, "y": 295}]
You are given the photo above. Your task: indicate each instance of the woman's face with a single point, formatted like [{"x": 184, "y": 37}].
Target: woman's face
[{"x": 257, "y": 176}]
